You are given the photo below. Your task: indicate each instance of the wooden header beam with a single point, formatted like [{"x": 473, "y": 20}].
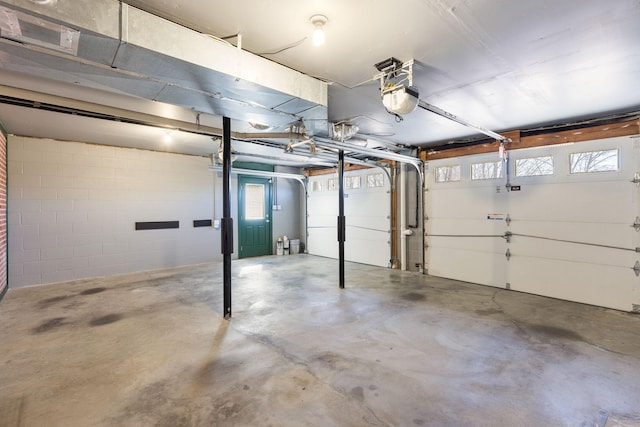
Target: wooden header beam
[
  {"x": 626, "y": 128},
  {"x": 327, "y": 171},
  {"x": 488, "y": 147}
]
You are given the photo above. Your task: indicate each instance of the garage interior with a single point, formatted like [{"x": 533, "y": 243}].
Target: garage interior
[{"x": 244, "y": 214}]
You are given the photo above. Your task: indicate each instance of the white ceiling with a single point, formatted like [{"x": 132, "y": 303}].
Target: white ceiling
[{"x": 501, "y": 64}]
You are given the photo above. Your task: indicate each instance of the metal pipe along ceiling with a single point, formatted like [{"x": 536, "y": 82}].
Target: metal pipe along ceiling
[
  {"x": 379, "y": 154},
  {"x": 300, "y": 178}
]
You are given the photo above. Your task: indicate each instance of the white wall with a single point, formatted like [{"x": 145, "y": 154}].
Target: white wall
[
  {"x": 72, "y": 210},
  {"x": 288, "y": 221}
]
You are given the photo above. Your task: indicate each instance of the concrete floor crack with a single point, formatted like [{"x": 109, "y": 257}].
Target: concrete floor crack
[{"x": 280, "y": 350}]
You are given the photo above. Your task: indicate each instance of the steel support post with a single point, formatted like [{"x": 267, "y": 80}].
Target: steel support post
[
  {"x": 227, "y": 221},
  {"x": 341, "y": 218}
]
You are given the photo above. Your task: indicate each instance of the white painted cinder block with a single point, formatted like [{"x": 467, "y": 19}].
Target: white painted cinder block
[{"x": 74, "y": 207}]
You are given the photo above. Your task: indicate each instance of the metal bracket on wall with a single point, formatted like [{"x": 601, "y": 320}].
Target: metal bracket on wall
[
  {"x": 636, "y": 268},
  {"x": 636, "y": 224},
  {"x": 508, "y": 255},
  {"x": 636, "y": 179}
]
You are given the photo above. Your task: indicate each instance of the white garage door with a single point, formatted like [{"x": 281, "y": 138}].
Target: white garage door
[
  {"x": 367, "y": 212},
  {"x": 571, "y": 221}
]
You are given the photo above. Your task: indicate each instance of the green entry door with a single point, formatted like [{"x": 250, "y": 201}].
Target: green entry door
[{"x": 254, "y": 210}]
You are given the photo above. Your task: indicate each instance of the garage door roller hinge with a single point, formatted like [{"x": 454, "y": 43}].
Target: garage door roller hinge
[
  {"x": 508, "y": 255},
  {"x": 636, "y": 268}
]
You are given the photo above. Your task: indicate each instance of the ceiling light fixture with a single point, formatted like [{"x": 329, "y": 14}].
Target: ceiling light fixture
[
  {"x": 318, "y": 21},
  {"x": 167, "y": 138}
]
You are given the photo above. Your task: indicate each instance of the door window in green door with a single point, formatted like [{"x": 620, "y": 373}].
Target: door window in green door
[{"x": 254, "y": 202}]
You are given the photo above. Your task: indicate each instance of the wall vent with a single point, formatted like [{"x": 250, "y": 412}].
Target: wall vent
[
  {"x": 31, "y": 30},
  {"x": 157, "y": 225}
]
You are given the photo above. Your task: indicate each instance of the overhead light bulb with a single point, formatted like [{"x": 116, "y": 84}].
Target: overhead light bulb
[
  {"x": 319, "y": 21},
  {"x": 167, "y": 138},
  {"x": 318, "y": 36}
]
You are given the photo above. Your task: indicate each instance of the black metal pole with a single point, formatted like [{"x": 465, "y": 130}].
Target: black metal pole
[
  {"x": 227, "y": 221},
  {"x": 341, "y": 218}
]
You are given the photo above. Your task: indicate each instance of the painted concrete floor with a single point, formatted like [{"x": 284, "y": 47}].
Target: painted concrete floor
[{"x": 393, "y": 349}]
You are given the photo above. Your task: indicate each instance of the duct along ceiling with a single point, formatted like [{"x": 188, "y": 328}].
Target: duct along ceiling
[{"x": 501, "y": 64}]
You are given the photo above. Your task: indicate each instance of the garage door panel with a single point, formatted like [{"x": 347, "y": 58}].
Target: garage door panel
[
  {"x": 465, "y": 202},
  {"x": 479, "y": 225},
  {"x": 485, "y": 268},
  {"x": 359, "y": 250},
  {"x": 381, "y": 224},
  {"x": 322, "y": 205},
  {"x": 590, "y": 202},
  {"x": 323, "y": 242},
  {"x": 356, "y": 232},
  {"x": 534, "y": 248},
  {"x": 589, "y": 283},
  {"x": 597, "y": 238},
  {"x": 322, "y": 221},
  {"x": 477, "y": 244}
]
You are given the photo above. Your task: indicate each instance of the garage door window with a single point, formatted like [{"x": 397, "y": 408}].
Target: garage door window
[
  {"x": 448, "y": 173},
  {"x": 534, "y": 166},
  {"x": 595, "y": 161},
  {"x": 489, "y": 170},
  {"x": 351, "y": 182},
  {"x": 332, "y": 184},
  {"x": 375, "y": 180}
]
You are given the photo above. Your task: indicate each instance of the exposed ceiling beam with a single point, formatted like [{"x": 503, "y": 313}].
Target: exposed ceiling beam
[{"x": 73, "y": 106}]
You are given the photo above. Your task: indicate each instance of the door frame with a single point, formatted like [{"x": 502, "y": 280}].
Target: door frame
[{"x": 268, "y": 182}]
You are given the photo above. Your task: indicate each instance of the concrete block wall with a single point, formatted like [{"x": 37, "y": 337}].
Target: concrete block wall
[{"x": 72, "y": 209}]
